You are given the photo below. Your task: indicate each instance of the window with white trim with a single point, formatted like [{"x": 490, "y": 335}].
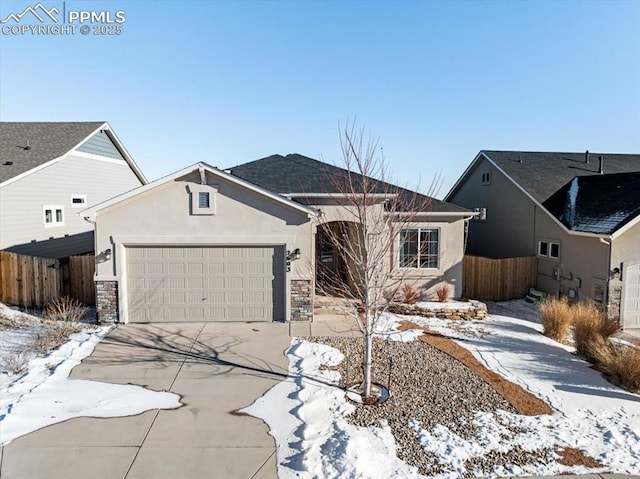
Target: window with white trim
[
  {"x": 549, "y": 249},
  {"x": 78, "y": 201},
  {"x": 53, "y": 215},
  {"x": 420, "y": 248}
]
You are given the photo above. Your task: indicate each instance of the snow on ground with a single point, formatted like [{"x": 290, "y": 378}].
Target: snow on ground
[
  {"x": 306, "y": 413},
  {"x": 44, "y": 394},
  {"x": 306, "y": 416}
]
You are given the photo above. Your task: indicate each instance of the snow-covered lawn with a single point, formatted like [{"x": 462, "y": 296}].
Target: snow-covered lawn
[
  {"x": 307, "y": 413},
  {"x": 43, "y": 394}
]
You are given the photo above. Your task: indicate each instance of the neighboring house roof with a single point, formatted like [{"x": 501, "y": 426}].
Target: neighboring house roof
[
  {"x": 202, "y": 167},
  {"x": 542, "y": 174},
  {"x": 546, "y": 177},
  {"x": 297, "y": 175},
  {"x": 28, "y": 145},
  {"x": 599, "y": 204}
]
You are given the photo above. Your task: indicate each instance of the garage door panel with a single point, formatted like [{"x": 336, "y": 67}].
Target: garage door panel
[
  {"x": 215, "y": 283},
  {"x": 175, "y": 268},
  {"x": 235, "y": 297},
  {"x": 177, "y": 283},
  {"x": 195, "y": 283},
  {"x": 216, "y": 297},
  {"x": 233, "y": 252},
  {"x": 205, "y": 284},
  {"x": 235, "y": 268},
  {"x": 177, "y": 298}
]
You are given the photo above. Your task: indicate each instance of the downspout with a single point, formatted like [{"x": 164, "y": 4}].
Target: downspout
[{"x": 467, "y": 220}]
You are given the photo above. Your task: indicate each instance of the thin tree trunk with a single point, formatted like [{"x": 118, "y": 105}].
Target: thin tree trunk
[{"x": 368, "y": 356}]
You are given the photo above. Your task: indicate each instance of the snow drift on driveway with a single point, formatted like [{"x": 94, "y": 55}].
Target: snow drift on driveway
[{"x": 45, "y": 395}]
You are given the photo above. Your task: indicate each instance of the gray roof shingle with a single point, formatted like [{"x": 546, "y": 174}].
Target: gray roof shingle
[
  {"x": 542, "y": 174},
  {"x": 27, "y": 145},
  {"x": 296, "y": 173}
]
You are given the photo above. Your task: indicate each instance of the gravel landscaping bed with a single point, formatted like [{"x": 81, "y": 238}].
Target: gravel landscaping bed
[{"x": 432, "y": 388}]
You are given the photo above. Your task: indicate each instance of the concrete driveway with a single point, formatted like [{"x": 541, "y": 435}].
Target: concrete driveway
[{"x": 216, "y": 368}]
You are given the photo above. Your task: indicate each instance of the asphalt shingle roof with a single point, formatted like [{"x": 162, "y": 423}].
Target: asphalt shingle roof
[
  {"x": 26, "y": 145},
  {"x": 296, "y": 173},
  {"x": 598, "y": 204},
  {"x": 543, "y": 174}
]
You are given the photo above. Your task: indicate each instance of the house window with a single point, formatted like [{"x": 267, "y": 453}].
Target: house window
[
  {"x": 549, "y": 249},
  {"x": 486, "y": 178},
  {"x": 53, "y": 216},
  {"x": 78, "y": 201},
  {"x": 419, "y": 248}
]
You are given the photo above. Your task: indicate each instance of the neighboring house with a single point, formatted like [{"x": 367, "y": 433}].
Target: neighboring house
[
  {"x": 51, "y": 171},
  {"x": 205, "y": 244},
  {"x": 579, "y": 213}
]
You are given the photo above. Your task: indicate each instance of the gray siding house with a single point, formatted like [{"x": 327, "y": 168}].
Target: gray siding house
[
  {"x": 205, "y": 244},
  {"x": 51, "y": 171},
  {"x": 579, "y": 213}
]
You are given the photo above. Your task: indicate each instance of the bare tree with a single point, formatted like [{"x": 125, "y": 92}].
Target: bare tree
[{"x": 371, "y": 221}]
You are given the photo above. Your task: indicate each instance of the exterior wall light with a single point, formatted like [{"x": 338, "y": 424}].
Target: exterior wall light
[{"x": 294, "y": 255}]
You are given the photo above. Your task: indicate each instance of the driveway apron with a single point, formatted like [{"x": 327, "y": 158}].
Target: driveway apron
[{"x": 217, "y": 368}]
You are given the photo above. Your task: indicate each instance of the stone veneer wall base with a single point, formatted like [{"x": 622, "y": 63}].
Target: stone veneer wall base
[
  {"x": 107, "y": 301},
  {"x": 301, "y": 300}
]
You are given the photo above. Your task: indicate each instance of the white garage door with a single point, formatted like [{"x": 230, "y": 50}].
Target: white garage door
[
  {"x": 231, "y": 283},
  {"x": 631, "y": 310}
]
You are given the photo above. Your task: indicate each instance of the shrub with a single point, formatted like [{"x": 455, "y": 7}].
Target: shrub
[
  {"x": 409, "y": 294},
  {"x": 620, "y": 362},
  {"x": 556, "y": 316},
  {"x": 589, "y": 326},
  {"x": 443, "y": 293},
  {"x": 16, "y": 362},
  {"x": 53, "y": 338},
  {"x": 65, "y": 309}
]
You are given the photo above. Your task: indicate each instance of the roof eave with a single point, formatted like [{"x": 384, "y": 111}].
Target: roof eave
[
  {"x": 94, "y": 210},
  {"x": 626, "y": 227},
  {"x": 464, "y": 175}
]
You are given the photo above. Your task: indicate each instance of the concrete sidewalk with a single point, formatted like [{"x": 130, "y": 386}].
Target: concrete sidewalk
[{"x": 216, "y": 368}]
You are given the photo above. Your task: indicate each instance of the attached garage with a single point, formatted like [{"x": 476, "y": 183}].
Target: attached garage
[
  {"x": 215, "y": 283},
  {"x": 631, "y": 297},
  {"x": 203, "y": 245}
]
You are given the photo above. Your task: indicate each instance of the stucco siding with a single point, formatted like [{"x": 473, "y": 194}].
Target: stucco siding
[
  {"x": 508, "y": 229},
  {"x": 625, "y": 248},
  {"x": 449, "y": 271},
  {"x": 583, "y": 261},
  {"x": 163, "y": 216},
  {"x": 23, "y": 201}
]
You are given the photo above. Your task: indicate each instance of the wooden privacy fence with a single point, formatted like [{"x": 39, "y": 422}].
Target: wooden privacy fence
[
  {"x": 32, "y": 282},
  {"x": 489, "y": 279}
]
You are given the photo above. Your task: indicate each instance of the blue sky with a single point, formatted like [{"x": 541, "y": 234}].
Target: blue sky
[{"x": 231, "y": 82}]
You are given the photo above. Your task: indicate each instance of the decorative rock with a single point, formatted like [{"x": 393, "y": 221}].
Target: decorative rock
[
  {"x": 427, "y": 387},
  {"x": 467, "y": 311}
]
